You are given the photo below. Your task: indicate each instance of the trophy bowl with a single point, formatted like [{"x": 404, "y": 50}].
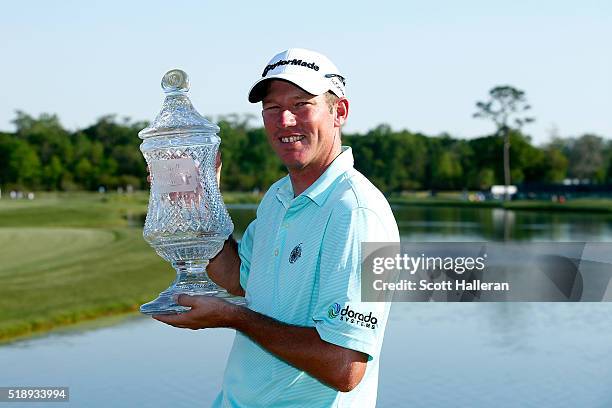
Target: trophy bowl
[{"x": 187, "y": 222}]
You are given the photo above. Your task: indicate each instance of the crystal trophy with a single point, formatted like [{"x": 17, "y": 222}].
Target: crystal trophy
[{"x": 187, "y": 222}]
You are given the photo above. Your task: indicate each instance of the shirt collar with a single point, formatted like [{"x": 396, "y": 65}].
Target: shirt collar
[
  {"x": 284, "y": 193},
  {"x": 319, "y": 190}
]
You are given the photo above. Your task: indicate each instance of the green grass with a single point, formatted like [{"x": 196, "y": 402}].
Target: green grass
[
  {"x": 73, "y": 210},
  {"x": 454, "y": 200},
  {"x": 578, "y": 205},
  {"x": 67, "y": 258},
  {"x": 242, "y": 198}
]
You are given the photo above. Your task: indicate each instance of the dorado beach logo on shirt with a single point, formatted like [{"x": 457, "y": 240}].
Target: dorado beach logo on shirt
[{"x": 352, "y": 317}]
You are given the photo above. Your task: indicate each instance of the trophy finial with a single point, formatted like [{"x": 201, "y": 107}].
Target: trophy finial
[
  {"x": 175, "y": 80},
  {"x": 178, "y": 116}
]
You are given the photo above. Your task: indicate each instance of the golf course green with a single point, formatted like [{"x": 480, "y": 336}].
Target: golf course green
[{"x": 71, "y": 257}]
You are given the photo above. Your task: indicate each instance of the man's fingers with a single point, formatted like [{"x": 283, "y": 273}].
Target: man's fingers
[
  {"x": 218, "y": 166},
  {"x": 173, "y": 319},
  {"x": 218, "y": 159}
]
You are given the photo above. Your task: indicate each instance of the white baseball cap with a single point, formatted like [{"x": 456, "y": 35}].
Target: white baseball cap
[{"x": 311, "y": 71}]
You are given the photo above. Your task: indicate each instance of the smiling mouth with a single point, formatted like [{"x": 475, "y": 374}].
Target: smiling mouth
[{"x": 291, "y": 139}]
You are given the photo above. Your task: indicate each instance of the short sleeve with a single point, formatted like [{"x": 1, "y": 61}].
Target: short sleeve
[
  {"x": 339, "y": 315},
  {"x": 245, "y": 251}
]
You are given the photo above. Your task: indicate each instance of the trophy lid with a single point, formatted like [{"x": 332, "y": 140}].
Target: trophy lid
[{"x": 177, "y": 116}]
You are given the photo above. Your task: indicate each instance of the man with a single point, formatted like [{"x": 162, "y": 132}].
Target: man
[{"x": 305, "y": 339}]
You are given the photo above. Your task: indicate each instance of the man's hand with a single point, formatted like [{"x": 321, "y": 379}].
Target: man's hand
[
  {"x": 302, "y": 347},
  {"x": 206, "y": 312},
  {"x": 218, "y": 166}
]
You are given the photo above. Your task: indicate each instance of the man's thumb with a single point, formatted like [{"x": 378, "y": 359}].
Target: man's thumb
[{"x": 186, "y": 300}]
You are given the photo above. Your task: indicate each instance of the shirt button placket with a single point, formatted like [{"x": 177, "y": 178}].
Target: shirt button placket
[{"x": 281, "y": 236}]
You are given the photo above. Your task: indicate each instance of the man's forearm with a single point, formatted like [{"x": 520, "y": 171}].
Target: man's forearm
[
  {"x": 224, "y": 269},
  {"x": 340, "y": 368},
  {"x": 336, "y": 366}
]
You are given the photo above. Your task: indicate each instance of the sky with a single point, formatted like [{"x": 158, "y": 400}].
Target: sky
[{"x": 413, "y": 65}]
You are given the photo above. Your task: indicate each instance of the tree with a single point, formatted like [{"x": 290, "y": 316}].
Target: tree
[
  {"x": 556, "y": 164},
  {"x": 52, "y": 173},
  {"x": 587, "y": 158},
  {"x": 486, "y": 178},
  {"x": 447, "y": 171},
  {"x": 24, "y": 165},
  {"x": 506, "y": 107}
]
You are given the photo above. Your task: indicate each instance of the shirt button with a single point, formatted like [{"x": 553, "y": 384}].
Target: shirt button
[
  {"x": 286, "y": 225},
  {"x": 276, "y": 252}
]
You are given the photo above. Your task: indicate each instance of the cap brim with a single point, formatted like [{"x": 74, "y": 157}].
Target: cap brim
[{"x": 313, "y": 86}]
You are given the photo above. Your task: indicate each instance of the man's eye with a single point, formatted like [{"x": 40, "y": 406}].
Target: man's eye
[{"x": 300, "y": 104}]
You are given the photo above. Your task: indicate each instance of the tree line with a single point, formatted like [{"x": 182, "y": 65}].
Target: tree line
[{"x": 42, "y": 155}]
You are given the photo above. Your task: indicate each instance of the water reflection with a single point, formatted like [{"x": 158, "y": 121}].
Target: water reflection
[
  {"x": 501, "y": 355},
  {"x": 486, "y": 224},
  {"x": 136, "y": 363}
]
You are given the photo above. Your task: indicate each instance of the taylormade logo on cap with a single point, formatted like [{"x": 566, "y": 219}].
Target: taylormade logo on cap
[
  {"x": 309, "y": 70},
  {"x": 294, "y": 61}
]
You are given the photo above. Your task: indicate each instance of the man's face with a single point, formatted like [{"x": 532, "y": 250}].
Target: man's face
[{"x": 300, "y": 126}]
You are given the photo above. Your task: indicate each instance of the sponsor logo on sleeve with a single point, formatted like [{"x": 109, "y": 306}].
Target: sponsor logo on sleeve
[{"x": 352, "y": 317}]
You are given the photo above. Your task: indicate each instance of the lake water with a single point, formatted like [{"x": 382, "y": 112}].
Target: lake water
[{"x": 434, "y": 354}]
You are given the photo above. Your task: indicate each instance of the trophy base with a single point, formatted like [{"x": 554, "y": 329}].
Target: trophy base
[{"x": 192, "y": 280}]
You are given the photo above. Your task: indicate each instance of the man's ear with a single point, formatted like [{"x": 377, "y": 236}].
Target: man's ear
[{"x": 342, "y": 110}]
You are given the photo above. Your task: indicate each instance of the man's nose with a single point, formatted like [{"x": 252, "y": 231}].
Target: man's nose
[{"x": 287, "y": 118}]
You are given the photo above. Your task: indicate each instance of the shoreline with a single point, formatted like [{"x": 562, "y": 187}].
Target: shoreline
[
  {"x": 12, "y": 334},
  {"x": 601, "y": 206}
]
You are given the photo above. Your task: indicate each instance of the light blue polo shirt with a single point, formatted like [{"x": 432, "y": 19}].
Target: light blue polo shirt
[{"x": 301, "y": 265}]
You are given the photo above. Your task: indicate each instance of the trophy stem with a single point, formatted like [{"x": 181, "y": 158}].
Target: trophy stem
[{"x": 191, "y": 279}]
